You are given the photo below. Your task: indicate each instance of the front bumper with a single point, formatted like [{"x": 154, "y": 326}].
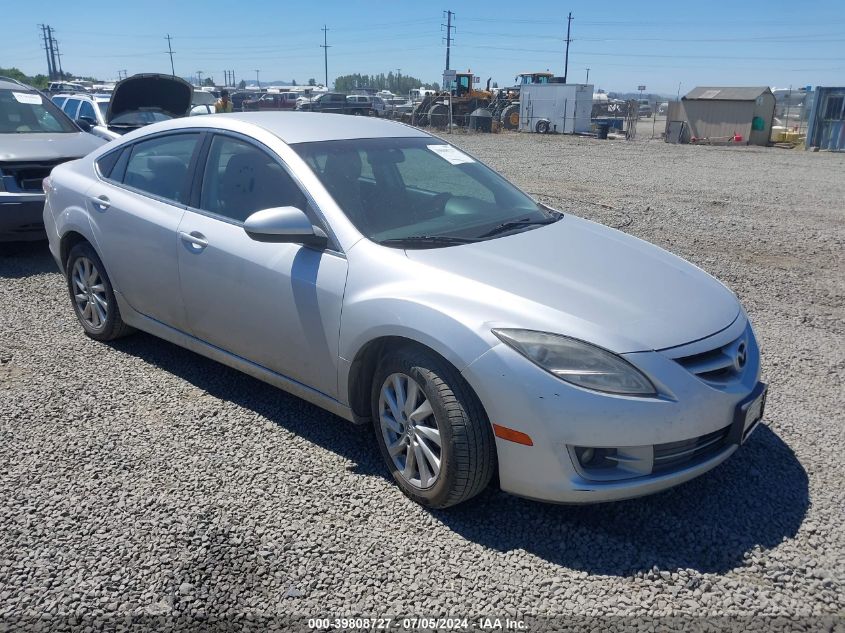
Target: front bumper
[
  {"x": 559, "y": 417},
  {"x": 21, "y": 217}
]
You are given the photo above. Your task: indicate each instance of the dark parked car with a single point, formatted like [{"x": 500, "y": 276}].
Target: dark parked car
[
  {"x": 238, "y": 98},
  {"x": 272, "y": 101},
  {"x": 35, "y": 136},
  {"x": 336, "y": 102}
]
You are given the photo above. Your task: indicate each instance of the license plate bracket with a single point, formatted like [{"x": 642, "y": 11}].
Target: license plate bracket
[{"x": 748, "y": 414}]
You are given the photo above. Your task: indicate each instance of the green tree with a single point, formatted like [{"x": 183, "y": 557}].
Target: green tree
[
  {"x": 37, "y": 81},
  {"x": 208, "y": 81},
  {"x": 241, "y": 84},
  {"x": 312, "y": 82}
]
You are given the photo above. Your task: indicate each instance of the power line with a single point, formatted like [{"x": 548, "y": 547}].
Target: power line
[{"x": 449, "y": 28}]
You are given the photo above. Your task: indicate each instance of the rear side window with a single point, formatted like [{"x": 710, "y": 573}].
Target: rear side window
[
  {"x": 106, "y": 162},
  {"x": 159, "y": 166}
]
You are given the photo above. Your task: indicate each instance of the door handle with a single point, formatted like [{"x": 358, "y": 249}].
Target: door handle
[
  {"x": 194, "y": 238},
  {"x": 102, "y": 202}
]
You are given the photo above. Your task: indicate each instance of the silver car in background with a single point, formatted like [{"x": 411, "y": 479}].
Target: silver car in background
[
  {"x": 387, "y": 276},
  {"x": 35, "y": 136}
]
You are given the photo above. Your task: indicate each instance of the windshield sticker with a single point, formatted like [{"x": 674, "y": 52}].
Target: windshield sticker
[
  {"x": 26, "y": 97},
  {"x": 452, "y": 154}
]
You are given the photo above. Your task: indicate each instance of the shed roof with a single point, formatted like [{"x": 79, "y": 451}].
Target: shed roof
[{"x": 727, "y": 93}]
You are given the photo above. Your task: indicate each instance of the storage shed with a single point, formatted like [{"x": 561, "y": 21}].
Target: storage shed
[
  {"x": 722, "y": 113},
  {"x": 826, "y": 128}
]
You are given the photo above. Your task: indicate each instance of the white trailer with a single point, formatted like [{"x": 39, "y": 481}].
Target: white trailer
[{"x": 554, "y": 107}]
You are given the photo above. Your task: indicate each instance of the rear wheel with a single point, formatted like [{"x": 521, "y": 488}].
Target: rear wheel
[
  {"x": 432, "y": 431},
  {"x": 92, "y": 295},
  {"x": 438, "y": 115},
  {"x": 510, "y": 117}
]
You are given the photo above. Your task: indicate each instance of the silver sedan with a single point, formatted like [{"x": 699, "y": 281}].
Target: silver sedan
[{"x": 389, "y": 277}]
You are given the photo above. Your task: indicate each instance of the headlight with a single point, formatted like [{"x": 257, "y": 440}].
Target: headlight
[{"x": 578, "y": 362}]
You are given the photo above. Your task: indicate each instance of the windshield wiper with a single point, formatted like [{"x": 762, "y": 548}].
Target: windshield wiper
[
  {"x": 427, "y": 240},
  {"x": 514, "y": 224}
]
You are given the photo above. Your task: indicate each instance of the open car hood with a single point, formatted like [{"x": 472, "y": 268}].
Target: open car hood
[{"x": 162, "y": 93}]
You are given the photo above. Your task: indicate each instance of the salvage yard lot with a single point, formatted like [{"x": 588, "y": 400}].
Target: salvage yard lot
[{"x": 138, "y": 478}]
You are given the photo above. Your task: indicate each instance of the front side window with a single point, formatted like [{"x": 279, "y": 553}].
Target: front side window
[
  {"x": 159, "y": 166},
  {"x": 398, "y": 188},
  {"x": 70, "y": 107},
  {"x": 240, "y": 179},
  {"x": 26, "y": 112}
]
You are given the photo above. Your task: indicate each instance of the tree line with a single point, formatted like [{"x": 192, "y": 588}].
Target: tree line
[{"x": 396, "y": 83}]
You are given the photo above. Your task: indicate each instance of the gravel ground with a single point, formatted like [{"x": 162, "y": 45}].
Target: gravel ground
[{"x": 140, "y": 482}]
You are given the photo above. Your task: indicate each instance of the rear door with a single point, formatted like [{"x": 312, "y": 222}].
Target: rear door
[
  {"x": 277, "y": 305},
  {"x": 135, "y": 212}
]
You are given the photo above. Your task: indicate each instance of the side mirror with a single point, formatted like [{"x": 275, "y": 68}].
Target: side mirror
[
  {"x": 84, "y": 125},
  {"x": 285, "y": 225}
]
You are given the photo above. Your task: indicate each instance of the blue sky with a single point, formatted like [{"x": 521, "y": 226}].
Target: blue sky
[{"x": 658, "y": 44}]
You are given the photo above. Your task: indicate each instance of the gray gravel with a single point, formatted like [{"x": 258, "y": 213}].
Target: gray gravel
[{"x": 140, "y": 482}]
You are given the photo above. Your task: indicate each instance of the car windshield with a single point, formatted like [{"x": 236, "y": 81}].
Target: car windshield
[
  {"x": 27, "y": 112},
  {"x": 416, "y": 189}
]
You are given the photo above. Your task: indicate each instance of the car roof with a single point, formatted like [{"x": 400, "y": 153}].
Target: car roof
[{"x": 297, "y": 127}]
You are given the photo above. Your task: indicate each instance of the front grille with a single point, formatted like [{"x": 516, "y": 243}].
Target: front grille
[
  {"x": 26, "y": 177},
  {"x": 674, "y": 455},
  {"x": 717, "y": 365}
]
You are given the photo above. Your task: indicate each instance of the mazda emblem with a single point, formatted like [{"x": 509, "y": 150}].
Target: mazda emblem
[{"x": 741, "y": 356}]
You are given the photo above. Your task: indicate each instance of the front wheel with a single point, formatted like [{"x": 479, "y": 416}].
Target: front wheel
[{"x": 432, "y": 430}]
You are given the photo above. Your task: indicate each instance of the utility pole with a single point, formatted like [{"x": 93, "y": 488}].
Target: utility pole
[
  {"x": 258, "y": 81},
  {"x": 59, "y": 55},
  {"x": 449, "y": 27},
  {"x": 325, "y": 47},
  {"x": 568, "y": 39},
  {"x": 199, "y": 78},
  {"x": 52, "y": 43},
  {"x": 50, "y": 70},
  {"x": 588, "y": 76},
  {"x": 170, "y": 51}
]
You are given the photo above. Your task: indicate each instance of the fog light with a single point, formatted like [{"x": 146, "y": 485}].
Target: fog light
[{"x": 592, "y": 458}]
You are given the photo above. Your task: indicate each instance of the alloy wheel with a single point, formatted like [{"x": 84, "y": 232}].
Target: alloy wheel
[
  {"x": 89, "y": 293},
  {"x": 410, "y": 430}
]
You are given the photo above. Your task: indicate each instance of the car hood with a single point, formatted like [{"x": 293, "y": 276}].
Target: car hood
[
  {"x": 46, "y": 147},
  {"x": 597, "y": 280},
  {"x": 164, "y": 93}
]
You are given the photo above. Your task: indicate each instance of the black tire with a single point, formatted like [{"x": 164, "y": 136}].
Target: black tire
[
  {"x": 113, "y": 326},
  {"x": 510, "y": 117},
  {"x": 542, "y": 127},
  {"x": 438, "y": 115},
  {"x": 468, "y": 453}
]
